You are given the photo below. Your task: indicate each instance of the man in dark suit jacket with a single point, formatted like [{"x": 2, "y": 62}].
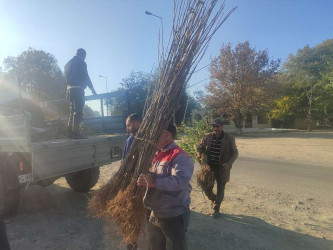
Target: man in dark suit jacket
[{"x": 218, "y": 151}]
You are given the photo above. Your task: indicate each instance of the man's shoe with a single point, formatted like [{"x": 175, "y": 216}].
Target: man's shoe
[{"x": 216, "y": 214}]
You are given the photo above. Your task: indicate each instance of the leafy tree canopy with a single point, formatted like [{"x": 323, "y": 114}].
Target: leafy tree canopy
[
  {"x": 307, "y": 81},
  {"x": 186, "y": 106},
  {"x": 38, "y": 74},
  {"x": 139, "y": 87},
  {"x": 193, "y": 135}
]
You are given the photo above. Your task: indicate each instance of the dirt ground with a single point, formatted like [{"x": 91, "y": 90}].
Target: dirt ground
[
  {"x": 255, "y": 216},
  {"x": 304, "y": 147}
]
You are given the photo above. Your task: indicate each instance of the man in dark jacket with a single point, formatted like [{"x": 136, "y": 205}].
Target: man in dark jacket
[
  {"x": 218, "y": 151},
  {"x": 77, "y": 79}
]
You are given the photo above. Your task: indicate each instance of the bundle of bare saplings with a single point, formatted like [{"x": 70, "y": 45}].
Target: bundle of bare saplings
[
  {"x": 205, "y": 177},
  {"x": 121, "y": 200}
]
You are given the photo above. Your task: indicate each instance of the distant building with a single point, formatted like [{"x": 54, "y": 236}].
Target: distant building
[{"x": 255, "y": 121}]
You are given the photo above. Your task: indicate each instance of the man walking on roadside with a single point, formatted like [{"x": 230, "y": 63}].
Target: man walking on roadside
[
  {"x": 77, "y": 79},
  {"x": 169, "y": 194},
  {"x": 217, "y": 150}
]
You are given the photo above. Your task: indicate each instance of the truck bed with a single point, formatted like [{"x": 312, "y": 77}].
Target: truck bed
[
  {"x": 57, "y": 157},
  {"x": 60, "y": 157}
]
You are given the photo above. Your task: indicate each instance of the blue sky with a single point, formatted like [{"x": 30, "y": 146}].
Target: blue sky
[{"x": 119, "y": 38}]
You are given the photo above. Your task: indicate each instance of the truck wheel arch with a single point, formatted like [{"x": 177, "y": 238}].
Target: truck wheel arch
[{"x": 84, "y": 180}]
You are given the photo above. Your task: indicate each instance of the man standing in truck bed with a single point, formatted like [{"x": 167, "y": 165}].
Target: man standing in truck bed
[{"x": 77, "y": 79}]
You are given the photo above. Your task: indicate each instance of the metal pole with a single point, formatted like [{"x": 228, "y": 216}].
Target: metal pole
[
  {"x": 106, "y": 88},
  {"x": 151, "y": 14},
  {"x": 102, "y": 113},
  {"x": 106, "y": 82}
]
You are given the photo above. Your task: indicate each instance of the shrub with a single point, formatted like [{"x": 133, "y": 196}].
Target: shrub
[{"x": 192, "y": 135}]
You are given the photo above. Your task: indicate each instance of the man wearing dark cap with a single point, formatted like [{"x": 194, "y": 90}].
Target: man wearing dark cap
[
  {"x": 218, "y": 151},
  {"x": 77, "y": 79},
  {"x": 169, "y": 193}
]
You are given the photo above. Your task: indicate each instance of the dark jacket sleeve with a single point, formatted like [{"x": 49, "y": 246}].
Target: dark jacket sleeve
[
  {"x": 87, "y": 78},
  {"x": 201, "y": 147},
  {"x": 234, "y": 150}
]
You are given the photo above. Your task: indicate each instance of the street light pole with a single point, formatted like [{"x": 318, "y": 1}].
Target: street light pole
[
  {"x": 106, "y": 88},
  {"x": 106, "y": 82},
  {"x": 151, "y": 14}
]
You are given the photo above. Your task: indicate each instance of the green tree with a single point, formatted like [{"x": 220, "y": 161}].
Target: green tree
[
  {"x": 284, "y": 110},
  {"x": 324, "y": 102},
  {"x": 193, "y": 135},
  {"x": 137, "y": 85},
  {"x": 187, "y": 104},
  {"x": 38, "y": 74},
  {"x": 307, "y": 81},
  {"x": 89, "y": 112},
  {"x": 242, "y": 82}
]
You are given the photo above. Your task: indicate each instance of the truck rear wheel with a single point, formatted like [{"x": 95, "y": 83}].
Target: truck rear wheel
[{"x": 83, "y": 180}]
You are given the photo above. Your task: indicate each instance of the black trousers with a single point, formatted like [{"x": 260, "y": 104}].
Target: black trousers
[
  {"x": 218, "y": 197},
  {"x": 4, "y": 245},
  {"x": 168, "y": 232},
  {"x": 76, "y": 98}
]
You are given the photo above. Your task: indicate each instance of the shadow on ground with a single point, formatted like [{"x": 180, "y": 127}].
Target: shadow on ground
[
  {"x": 245, "y": 232},
  {"x": 57, "y": 218},
  {"x": 54, "y": 218}
]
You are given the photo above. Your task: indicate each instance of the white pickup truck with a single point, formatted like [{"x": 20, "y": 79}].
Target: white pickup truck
[{"x": 23, "y": 163}]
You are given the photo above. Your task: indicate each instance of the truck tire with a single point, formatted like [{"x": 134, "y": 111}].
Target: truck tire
[
  {"x": 9, "y": 196},
  {"x": 83, "y": 180}
]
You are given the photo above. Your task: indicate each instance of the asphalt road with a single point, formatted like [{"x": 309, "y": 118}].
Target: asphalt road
[{"x": 286, "y": 176}]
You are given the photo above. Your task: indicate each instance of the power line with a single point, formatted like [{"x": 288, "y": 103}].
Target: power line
[
  {"x": 201, "y": 68},
  {"x": 197, "y": 82}
]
